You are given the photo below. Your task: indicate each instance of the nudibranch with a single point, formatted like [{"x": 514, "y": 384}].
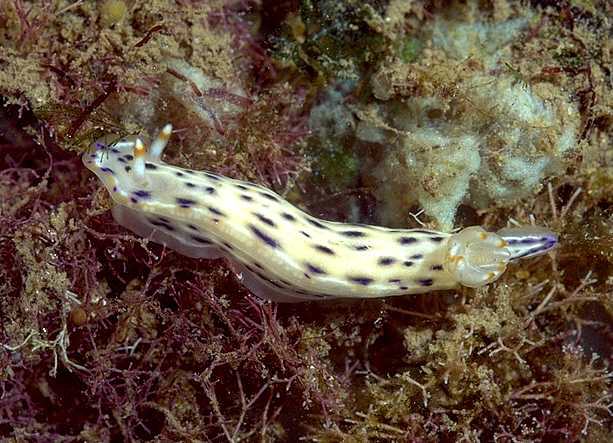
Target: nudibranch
[{"x": 282, "y": 253}]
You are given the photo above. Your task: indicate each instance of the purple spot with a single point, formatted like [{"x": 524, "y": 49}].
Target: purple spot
[
  {"x": 386, "y": 261},
  {"x": 364, "y": 281},
  {"x": 315, "y": 269},
  {"x": 142, "y": 194},
  {"x": 185, "y": 202},
  {"x": 407, "y": 240},
  {"x": 264, "y": 237}
]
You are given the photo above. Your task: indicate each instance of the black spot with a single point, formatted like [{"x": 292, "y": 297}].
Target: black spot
[
  {"x": 201, "y": 240},
  {"x": 270, "y": 197},
  {"x": 417, "y": 256},
  {"x": 404, "y": 288},
  {"x": 316, "y": 223},
  {"x": 163, "y": 219},
  {"x": 305, "y": 234},
  {"x": 243, "y": 187},
  {"x": 315, "y": 269},
  {"x": 264, "y": 237},
  {"x": 179, "y": 174},
  {"x": 425, "y": 282},
  {"x": 407, "y": 240},
  {"x": 354, "y": 234},
  {"x": 265, "y": 220},
  {"x": 386, "y": 261},
  {"x": 422, "y": 231},
  {"x": 394, "y": 280},
  {"x": 247, "y": 198},
  {"x": 307, "y": 275},
  {"x": 216, "y": 211},
  {"x": 275, "y": 284},
  {"x": 190, "y": 185},
  {"x": 129, "y": 157},
  {"x": 115, "y": 150},
  {"x": 105, "y": 169},
  {"x": 437, "y": 267},
  {"x": 228, "y": 245},
  {"x": 185, "y": 202},
  {"x": 210, "y": 189},
  {"x": 364, "y": 281},
  {"x": 257, "y": 265},
  {"x": 361, "y": 247},
  {"x": 114, "y": 188},
  {"x": 193, "y": 227},
  {"x": 407, "y": 263},
  {"x": 121, "y": 160},
  {"x": 127, "y": 168},
  {"x": 133, "y": 200},
  {"x": 437, "y": 239},
  {"x": 161, "y": 224},
  {"x": 142, "y": 194},
  {"x": 150, "y": 166},
  {"x": 287, "y": 216},
  {"x": 209, "y": 175},
  {"x": 324, "y": 249}
]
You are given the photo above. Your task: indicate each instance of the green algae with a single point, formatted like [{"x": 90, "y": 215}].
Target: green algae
[
  {"x": 334, "y": 166},
  {"x": 409, "y": 49}
]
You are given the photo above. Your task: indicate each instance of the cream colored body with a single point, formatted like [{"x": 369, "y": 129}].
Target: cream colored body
[{"x": 285, "y": 254}]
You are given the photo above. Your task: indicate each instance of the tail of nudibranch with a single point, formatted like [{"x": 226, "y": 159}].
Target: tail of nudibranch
[{"x": 476, "y": 257}]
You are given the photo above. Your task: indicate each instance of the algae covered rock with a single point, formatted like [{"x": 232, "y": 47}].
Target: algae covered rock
[{"x": 465, "y": 130}]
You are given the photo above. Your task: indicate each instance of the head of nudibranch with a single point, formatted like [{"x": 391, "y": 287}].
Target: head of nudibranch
[
  {"x": 121, "y": 165},
  {"x": 109, "y": 161},
  {"x": 476, "y": 257}
]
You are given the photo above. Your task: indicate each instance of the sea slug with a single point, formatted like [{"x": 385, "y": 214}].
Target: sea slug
[{"x": 285, "y": 254}]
